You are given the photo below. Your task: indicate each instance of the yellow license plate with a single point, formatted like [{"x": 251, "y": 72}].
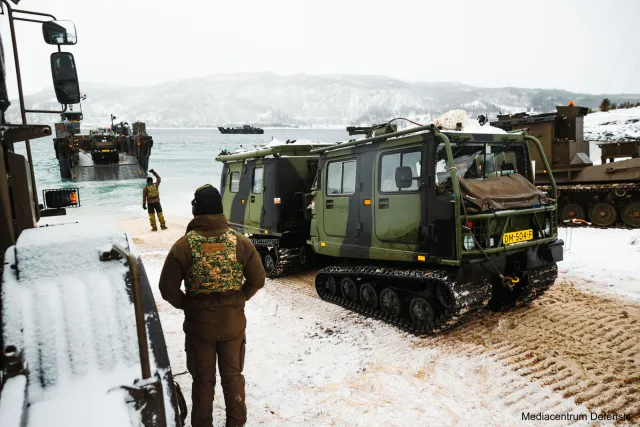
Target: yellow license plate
[
  {"x": 517, "y": 236},
  {"x": 105, "y": 151}
]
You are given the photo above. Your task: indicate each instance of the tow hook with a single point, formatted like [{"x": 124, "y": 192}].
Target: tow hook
[{"x": 510, "y": 282}]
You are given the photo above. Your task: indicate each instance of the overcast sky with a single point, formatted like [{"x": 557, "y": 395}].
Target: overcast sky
[{"x": 582, "y": 46}]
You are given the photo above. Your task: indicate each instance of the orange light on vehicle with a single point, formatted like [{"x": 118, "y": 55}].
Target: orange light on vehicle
[
  {"x": 367, "y": 201},
  {"x": 266, "y": 231},
  {"x": 571, "y": 104},
  {"x": 74, "y": 198},
  {"x": 323, "y": 244},
  {"x": 243, "y": 201},
  {"x": 422, "y": 258}
]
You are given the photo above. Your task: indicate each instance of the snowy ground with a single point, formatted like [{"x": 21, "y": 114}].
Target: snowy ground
[
  {"x": 310, "y": 363},
  {"x": 602, "y": 261},
  {"x": 614, "y": 125}
]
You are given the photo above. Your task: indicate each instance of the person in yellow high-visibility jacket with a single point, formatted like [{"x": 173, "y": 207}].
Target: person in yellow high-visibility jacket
[{"x": 151, "y": 198}]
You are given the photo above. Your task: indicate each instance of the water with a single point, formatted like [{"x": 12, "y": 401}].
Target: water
[{"x": 184, "y": 158}]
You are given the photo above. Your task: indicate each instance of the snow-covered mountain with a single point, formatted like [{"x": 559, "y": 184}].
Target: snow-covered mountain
[{"x": 304, "y": 100}]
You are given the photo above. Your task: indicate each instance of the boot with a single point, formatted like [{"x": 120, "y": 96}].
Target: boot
[
  {"x": 161, "y": 218},
  {"x": 152, "y": 220}
]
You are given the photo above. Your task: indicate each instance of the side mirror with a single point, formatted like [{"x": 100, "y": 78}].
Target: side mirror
[
  {"x": 59, "y": 33},
  {"x": 65, "y": 78},
  {"x": 404, "y": 177},
  {"x": 61, "y": 198}
]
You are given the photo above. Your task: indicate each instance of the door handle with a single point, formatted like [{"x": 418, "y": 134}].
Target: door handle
[
  {"x": 384, "y": 204},
  {"x": 329, "y": 204},
  {"x": 253, "y": 199}
]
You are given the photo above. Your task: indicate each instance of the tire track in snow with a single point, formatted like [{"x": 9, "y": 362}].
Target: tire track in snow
[{"x": 567, "y": 348}]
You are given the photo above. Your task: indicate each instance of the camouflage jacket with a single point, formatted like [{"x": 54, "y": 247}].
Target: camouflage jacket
[
  {"x": 220, "y": 315},
  {"x": 215, "y": 267}
]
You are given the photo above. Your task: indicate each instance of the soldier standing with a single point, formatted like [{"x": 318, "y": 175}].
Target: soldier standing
[
  {"x": 212, "y": 260},
  {"x": 151, "y": 199}
]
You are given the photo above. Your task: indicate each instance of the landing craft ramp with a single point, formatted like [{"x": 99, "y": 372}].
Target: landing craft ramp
[{"x": 87, "y": 170}]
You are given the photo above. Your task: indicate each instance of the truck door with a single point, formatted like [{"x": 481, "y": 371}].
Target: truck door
[
  {"x": 256, "y": 197},
  {"x": 340, "y": 188},
  {"x": 397, "y": 211}
]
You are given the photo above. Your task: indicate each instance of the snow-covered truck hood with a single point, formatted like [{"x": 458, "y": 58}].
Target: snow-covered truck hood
[{"x": 73, "y": 317}]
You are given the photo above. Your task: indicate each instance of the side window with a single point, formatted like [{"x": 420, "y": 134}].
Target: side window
[
  {"x": 234, "y": 185},
  {"x": 341, "y": 177},
  {"x": 257, "y": 180},
  {"x": 334, "y": 178},
  {"x": 389, "y": 163},
  {"x": 349, "y": 177}
]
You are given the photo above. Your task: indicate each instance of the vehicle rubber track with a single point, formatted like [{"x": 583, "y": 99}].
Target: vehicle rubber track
[
  {"x": 466, "y": 298},
  {"x": 287, "y": 260},
  {"x": 470, "y": 297}
]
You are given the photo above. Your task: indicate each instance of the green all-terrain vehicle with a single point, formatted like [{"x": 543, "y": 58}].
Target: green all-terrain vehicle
[
  {"x": 428, "y": 226},
  {"x": 265, "y": 194}
]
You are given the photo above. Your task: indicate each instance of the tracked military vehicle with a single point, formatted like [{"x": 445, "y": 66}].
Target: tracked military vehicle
[
  {"x": 416, "y": 245},
  {"x": 81, "y": 340},
  {"x": 606, "y": 195},
  {"x": 265, "y": 194}
]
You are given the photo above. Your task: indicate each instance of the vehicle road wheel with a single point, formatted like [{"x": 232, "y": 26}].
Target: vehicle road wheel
[
  {"x": 603, "y": 214},
  {"x": 369, "y": 296},
  {"x": 631, "y": 214},
  {"x": 390, "y": 302},
  {"x": 349, "y": 289},
  {"x": 421, "y": 312},
  {"x": 270, "y": 261},
  {"x": 331, "y": 285},
  {"x": 572, "y": 211}
]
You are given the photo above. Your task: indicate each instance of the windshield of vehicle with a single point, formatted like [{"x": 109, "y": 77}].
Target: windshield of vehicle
[{"x": 480, "y": 161}]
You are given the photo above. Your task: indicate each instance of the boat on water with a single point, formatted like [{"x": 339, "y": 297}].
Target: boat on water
[{"x": 246, "y": 129}]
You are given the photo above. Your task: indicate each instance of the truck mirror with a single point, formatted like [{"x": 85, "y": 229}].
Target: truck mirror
[
  {"x": 404, "y": 177},
  {"x": 65, "y": 78},
  {"x": 59, "y": 33}
]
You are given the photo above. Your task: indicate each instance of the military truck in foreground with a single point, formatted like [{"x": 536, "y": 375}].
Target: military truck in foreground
[
  {"x": 81, "y": 339},
  {"x": 418, "y": 227},
  {"x": 606, "y": 195}
]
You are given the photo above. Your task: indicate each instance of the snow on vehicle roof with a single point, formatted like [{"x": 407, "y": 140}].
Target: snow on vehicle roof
[
  {"x": 614, "y": 125},
  {"x": 277, "y": 143},
  {"x": 73, "y": 317}
]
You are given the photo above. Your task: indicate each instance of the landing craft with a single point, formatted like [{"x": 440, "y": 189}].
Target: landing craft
[
  {"x": 79, "y": 323},
  {"x": 405, "y": 239},
  {"x": 104, "y": 154}
]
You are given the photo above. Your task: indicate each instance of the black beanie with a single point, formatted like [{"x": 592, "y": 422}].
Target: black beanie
[{"x": 207, "y": 201}]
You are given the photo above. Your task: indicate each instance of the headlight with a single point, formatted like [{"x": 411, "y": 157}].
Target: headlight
[
  {"x": 547, "y": 227},
  {"x": 468, "y": 242}
]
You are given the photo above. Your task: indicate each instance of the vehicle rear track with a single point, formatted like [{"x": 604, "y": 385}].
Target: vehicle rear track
[{"x": 287, "y": 260}]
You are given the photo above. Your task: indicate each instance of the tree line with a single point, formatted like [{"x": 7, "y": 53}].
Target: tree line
[{"x": 607, "y": 105}]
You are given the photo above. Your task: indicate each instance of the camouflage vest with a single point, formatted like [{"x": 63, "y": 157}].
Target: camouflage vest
[
  {"x": 153, "y": 191},
  {"x": 215, "y": 267}
]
